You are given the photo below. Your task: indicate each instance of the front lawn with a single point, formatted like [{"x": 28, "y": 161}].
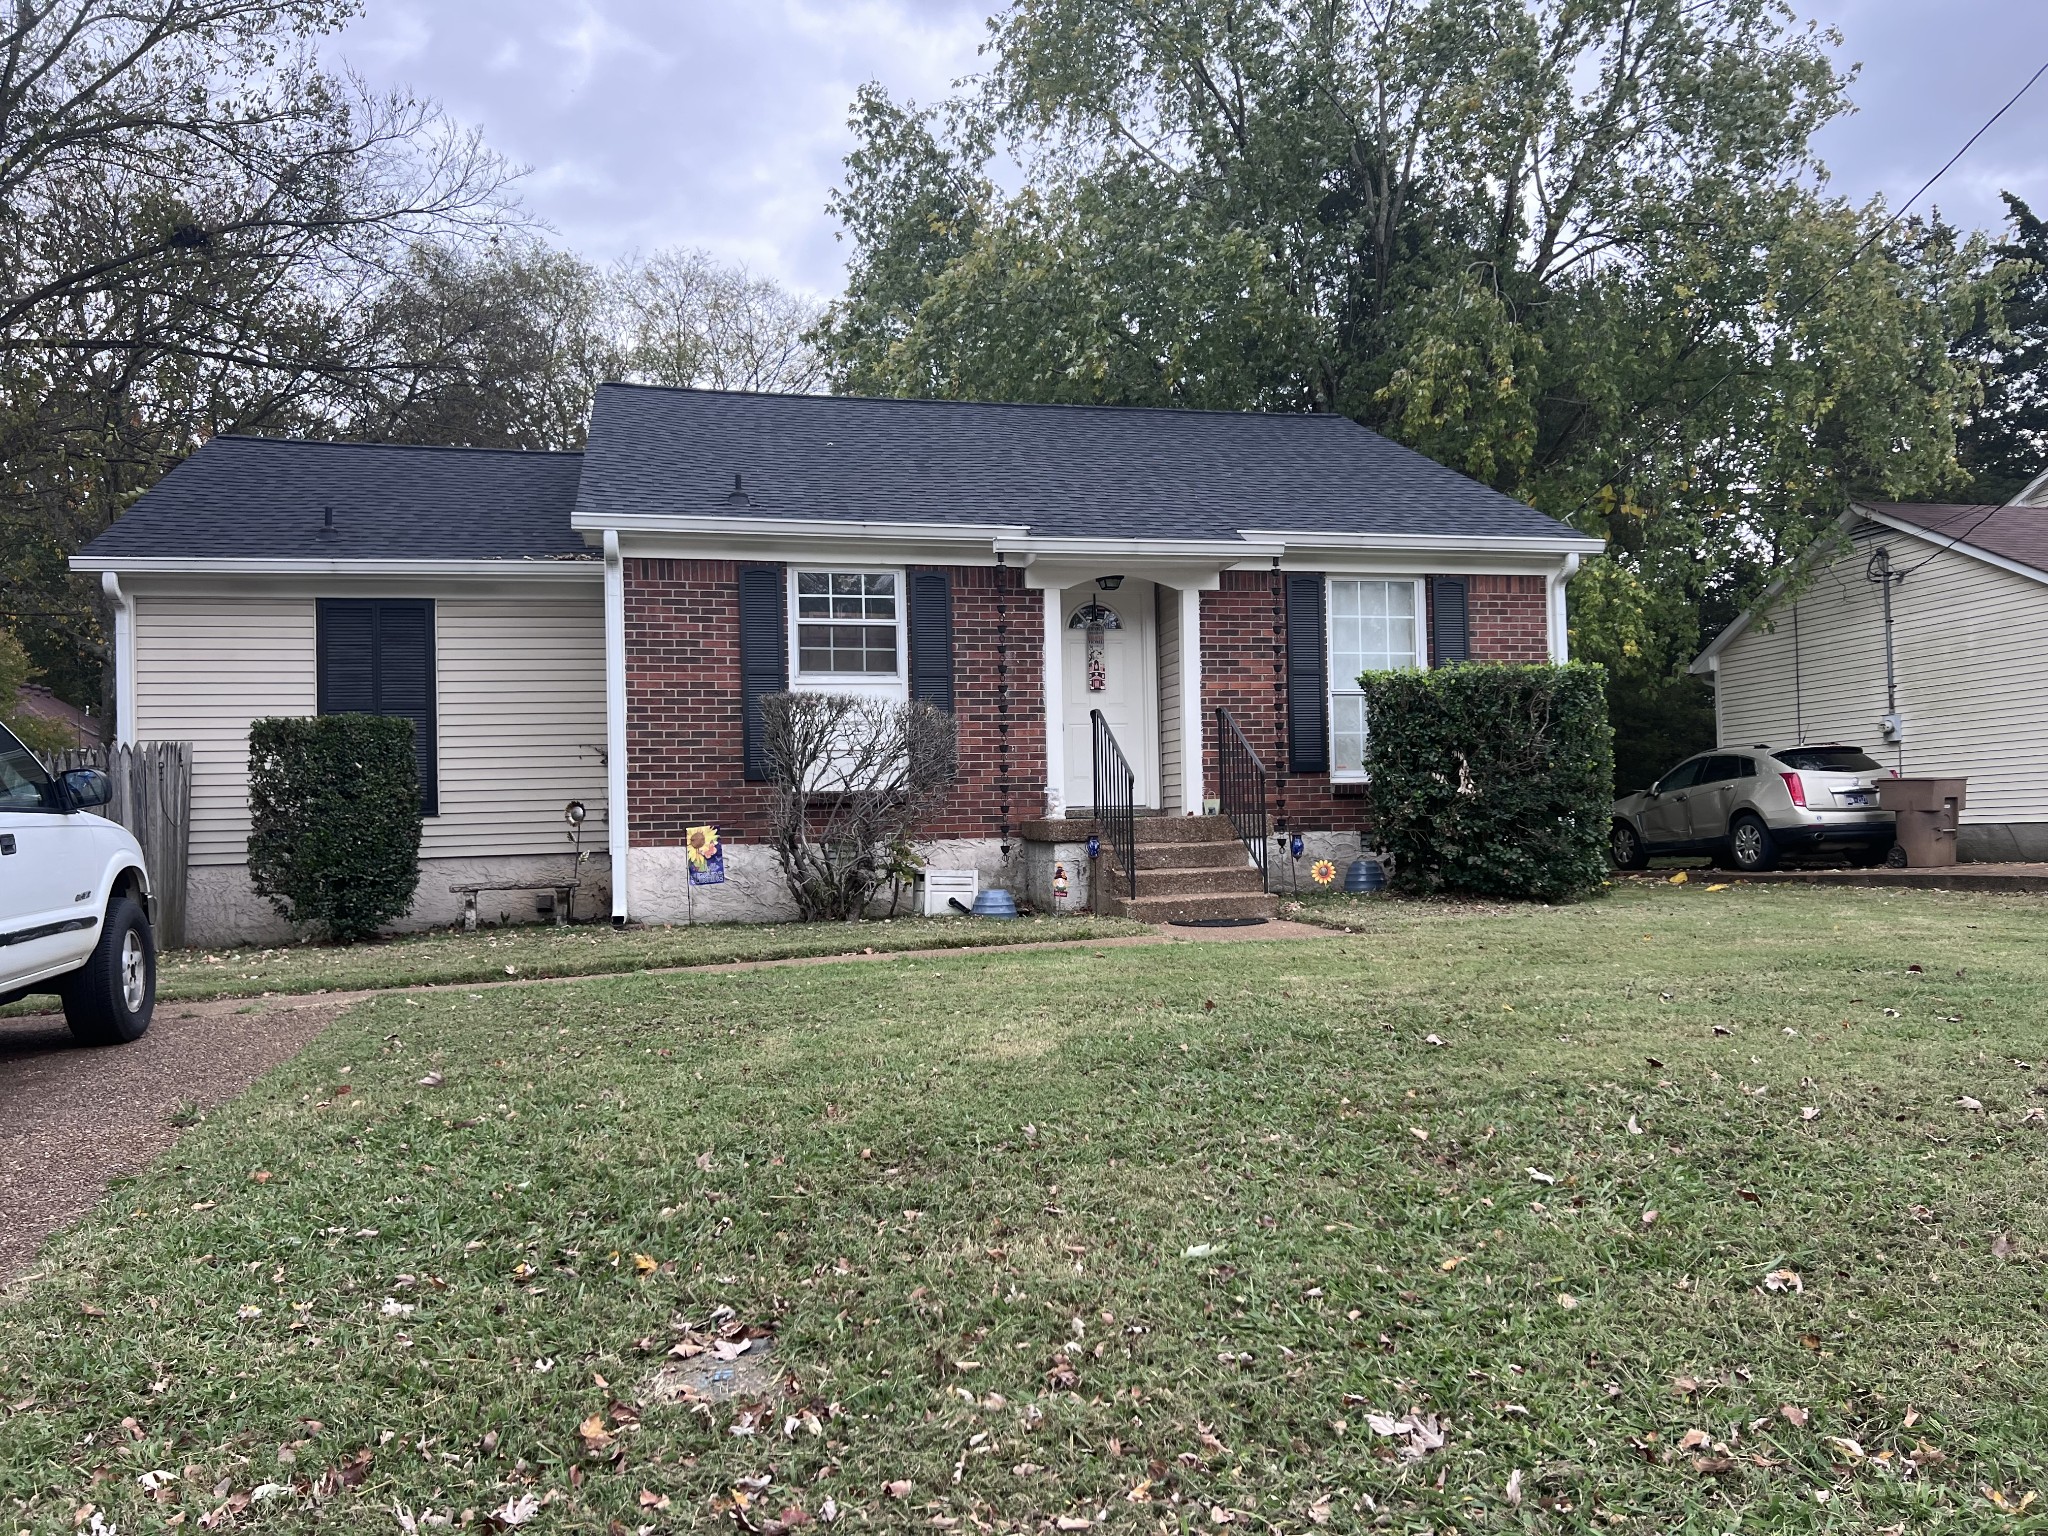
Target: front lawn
[
  {"x": 1673, "y": 1212},
  {"x": 537, "y": 950}
]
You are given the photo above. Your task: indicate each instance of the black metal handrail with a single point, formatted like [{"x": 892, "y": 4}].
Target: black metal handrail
[
  {"x": 1241, "y": 791},
  {"x": 1116, "y": 801}
]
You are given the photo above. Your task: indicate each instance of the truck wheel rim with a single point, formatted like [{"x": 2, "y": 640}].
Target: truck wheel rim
[{"x": 134, "y": 971}]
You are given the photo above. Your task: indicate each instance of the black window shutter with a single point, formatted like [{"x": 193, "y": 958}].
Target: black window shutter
[
  {"x": 346, "y": 642},
  {"x": 1308, "y": 685},
  {"x": 1450, "y": 634},
  {"x": 931, "y": 639},
  {"x": 763, "y": 663},
  {"x": 376, "y": 657}
]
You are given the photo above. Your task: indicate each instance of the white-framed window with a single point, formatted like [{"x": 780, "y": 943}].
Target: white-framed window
[
  {"x": 848, "y": 629},
  {"x": 1375, "y": 625}
]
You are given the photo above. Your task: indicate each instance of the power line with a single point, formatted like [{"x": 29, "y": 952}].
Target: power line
[{"x": 1876, "y": 234}]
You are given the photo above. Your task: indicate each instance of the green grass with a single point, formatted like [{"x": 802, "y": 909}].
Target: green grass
[
  {"x": 1152, "y": 1231},
  {"x": 535, "y": 951}
]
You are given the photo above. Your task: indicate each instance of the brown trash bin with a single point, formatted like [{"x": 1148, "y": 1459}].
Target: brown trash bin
[{"x": 1928, "y": 812}]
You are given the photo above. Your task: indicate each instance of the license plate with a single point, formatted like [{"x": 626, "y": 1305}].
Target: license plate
[{"x": 1855, "y": 797}]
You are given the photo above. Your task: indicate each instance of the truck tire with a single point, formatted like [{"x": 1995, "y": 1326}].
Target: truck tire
[
  {"x": 1751, "y": 848},
  {"x": 109, "y": 999}
]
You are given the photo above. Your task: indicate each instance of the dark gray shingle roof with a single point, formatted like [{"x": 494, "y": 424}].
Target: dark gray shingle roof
[
  {"x": 253, "y": 498},
  {"x": 1063, "y": 471}
]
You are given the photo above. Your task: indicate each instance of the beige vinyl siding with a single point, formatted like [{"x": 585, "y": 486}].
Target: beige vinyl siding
[
  {"x": 519, "y": 685},
  {"x": 1970, "y": 642},
  {"x": 520, "y": 690},
  {"x": 204, "y": 668},
  {"x": 1172, "y": 781}
]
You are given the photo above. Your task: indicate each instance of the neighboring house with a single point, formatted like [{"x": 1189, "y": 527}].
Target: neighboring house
[
  {"x": 1946, "y": 680},
  {"x": 604, "y": 627},
  {"x": 38, "y": 703}
]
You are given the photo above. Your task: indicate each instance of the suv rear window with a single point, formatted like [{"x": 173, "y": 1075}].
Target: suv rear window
[{"x": 1828, "y": 760}]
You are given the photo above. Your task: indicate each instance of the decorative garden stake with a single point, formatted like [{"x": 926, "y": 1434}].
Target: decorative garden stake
[{"x": 1059, "y": 882}]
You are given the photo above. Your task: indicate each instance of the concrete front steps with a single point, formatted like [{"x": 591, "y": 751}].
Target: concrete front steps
[{"x": 1189, "y": 868}]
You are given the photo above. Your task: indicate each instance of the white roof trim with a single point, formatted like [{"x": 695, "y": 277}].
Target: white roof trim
[
  {"x": 515, "y": 570},
  {"x": 1530, "y": 544},
  {"x": 802, "y": 528},
  {"x": 2033, "y": 494},
  {"x": 1137, "y": 549}
]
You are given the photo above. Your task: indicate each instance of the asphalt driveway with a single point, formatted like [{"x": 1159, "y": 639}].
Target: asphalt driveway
[{"x": 72, "y": 1117}]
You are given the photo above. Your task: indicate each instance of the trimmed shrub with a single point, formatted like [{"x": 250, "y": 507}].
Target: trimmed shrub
[
  {"x": 334, "y": 810},
  {"x": 1492, "y": 780}
]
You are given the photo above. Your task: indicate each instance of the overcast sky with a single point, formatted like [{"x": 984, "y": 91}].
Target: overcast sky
[{"x": 721, "y": 123}]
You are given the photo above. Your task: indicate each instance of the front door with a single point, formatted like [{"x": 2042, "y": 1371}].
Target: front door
[{"x": 1112, "y": 664}]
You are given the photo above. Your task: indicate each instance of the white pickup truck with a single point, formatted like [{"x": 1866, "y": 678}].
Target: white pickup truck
[{"x": 74, "y": 900}]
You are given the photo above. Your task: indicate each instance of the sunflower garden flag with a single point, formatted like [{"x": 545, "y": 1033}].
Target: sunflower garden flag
[{"x": 707, "y": 856}]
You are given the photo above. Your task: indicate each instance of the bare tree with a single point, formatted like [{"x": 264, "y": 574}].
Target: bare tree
[
  {"x": 854, "y": 779},
  {"x": 691, "y": 320},
  {"x": 194, "y": 218}
]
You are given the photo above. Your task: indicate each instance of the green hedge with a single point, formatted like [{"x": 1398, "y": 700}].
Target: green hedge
[
  {"x": 334, "y": 808},
  {"x": 1492, "y": 780}
]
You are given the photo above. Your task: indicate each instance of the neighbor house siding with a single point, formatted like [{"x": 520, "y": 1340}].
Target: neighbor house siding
[
  {"x": 1166, "y": 625},
  {"x": 1969, "y": 642},
  {"x": 204, "y": 668},
  {"x": 519, "y": 701}
]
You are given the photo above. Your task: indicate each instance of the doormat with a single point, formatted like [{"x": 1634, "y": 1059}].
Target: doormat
[{"x": 1217, "y": 922}]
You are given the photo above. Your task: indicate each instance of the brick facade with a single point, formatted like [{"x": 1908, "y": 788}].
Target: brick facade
[
  {"x": 683, "y": 695},
  {"x": 683, "y": 724},
  {"x": 1509, "y": 618},
  {"x": 1244, "y": 644}
]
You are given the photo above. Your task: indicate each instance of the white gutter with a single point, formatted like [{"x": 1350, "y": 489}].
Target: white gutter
[
  {"x": 1524, "y": 544},
  {"x": 803, "y": 528},
  {"x": 517, "y": 570},
  {"x": 1560, "y": 620},
  {"x": 1136, "y": 549},
  {"x": 124, "y": 659},
  {"x": 617, "y": 825}
]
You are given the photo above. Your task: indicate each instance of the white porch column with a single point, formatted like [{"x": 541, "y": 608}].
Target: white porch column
[
  {"x": 1193, "y": 789},
  {"x": 1055, "y": 705},
  {"x": 617, "y": 825}
]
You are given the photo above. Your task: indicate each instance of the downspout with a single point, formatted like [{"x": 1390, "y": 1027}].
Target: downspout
[
  {"x": 124, "y": 658},
  {"x": 1560, "y": 632},
  {"x": 617, "y": 824}
]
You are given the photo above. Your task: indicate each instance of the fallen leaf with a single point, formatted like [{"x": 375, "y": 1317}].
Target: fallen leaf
[
  {"x": 1794, "y": 1416},
  {"x": 649, "y": 1499},
  {"x": 1969, "y": 1103},
  {"x": 2003, "y": 1247},
  {"x": 1781, "y": 1280},
  {"x": 1810, "y": 1112},
  {"x": 1514, "y": 1489},
  {"x": 900, "y": 1489},
  {"x": 1649, "y": 1218},
  {"x": 594, "y": 1435},
  {"x": 1693, "y": 1439},
  {"x": 522, "y": 1510},
  {"x": 432, "y": 1080},
  {"x": 1541, "y": 1177},
  {"x": 645, "y": 1264},
  {"x": 1678, "y": 879},
  {"x": 1633, "y": 1128}
]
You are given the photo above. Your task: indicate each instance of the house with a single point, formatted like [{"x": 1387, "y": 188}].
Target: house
[
  {"x": 1917, "y": 632},
  {"x": 602, "y": 628},
  {"x": 39, "y": 703}
]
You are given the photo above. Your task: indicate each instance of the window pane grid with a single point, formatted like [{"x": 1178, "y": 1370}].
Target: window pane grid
[
  {"x": 1374, "y": 627},
  {"x": 846, "y": 622}
]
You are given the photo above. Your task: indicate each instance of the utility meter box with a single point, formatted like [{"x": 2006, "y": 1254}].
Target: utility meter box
[{"x": 942, "y": 887}]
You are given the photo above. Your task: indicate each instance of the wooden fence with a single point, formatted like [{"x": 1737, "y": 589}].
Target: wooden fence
[{"x": 153, "y": 800}]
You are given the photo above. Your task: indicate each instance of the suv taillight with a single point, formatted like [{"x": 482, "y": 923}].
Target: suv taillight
[{"x": 1796, "y": 788}]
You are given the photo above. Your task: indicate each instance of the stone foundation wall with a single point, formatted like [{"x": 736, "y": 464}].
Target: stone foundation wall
[{"x": 754, "y": 890}]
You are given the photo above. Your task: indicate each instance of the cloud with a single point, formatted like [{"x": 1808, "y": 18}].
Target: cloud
[{"x": 708, "y": 122}]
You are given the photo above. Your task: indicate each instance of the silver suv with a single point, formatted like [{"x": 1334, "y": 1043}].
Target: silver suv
[
  {"x": 74, "y": 900},
  {"x": 1748, "y": 808}
]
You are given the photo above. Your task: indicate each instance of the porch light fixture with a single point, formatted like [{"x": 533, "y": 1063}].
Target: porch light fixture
[{"x": 1109, "y": 583}]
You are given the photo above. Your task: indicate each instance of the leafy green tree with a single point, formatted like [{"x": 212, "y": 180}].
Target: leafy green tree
[
  {"x": 2004, "y": 442},
  {"x": 1570, "y": 247}
]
